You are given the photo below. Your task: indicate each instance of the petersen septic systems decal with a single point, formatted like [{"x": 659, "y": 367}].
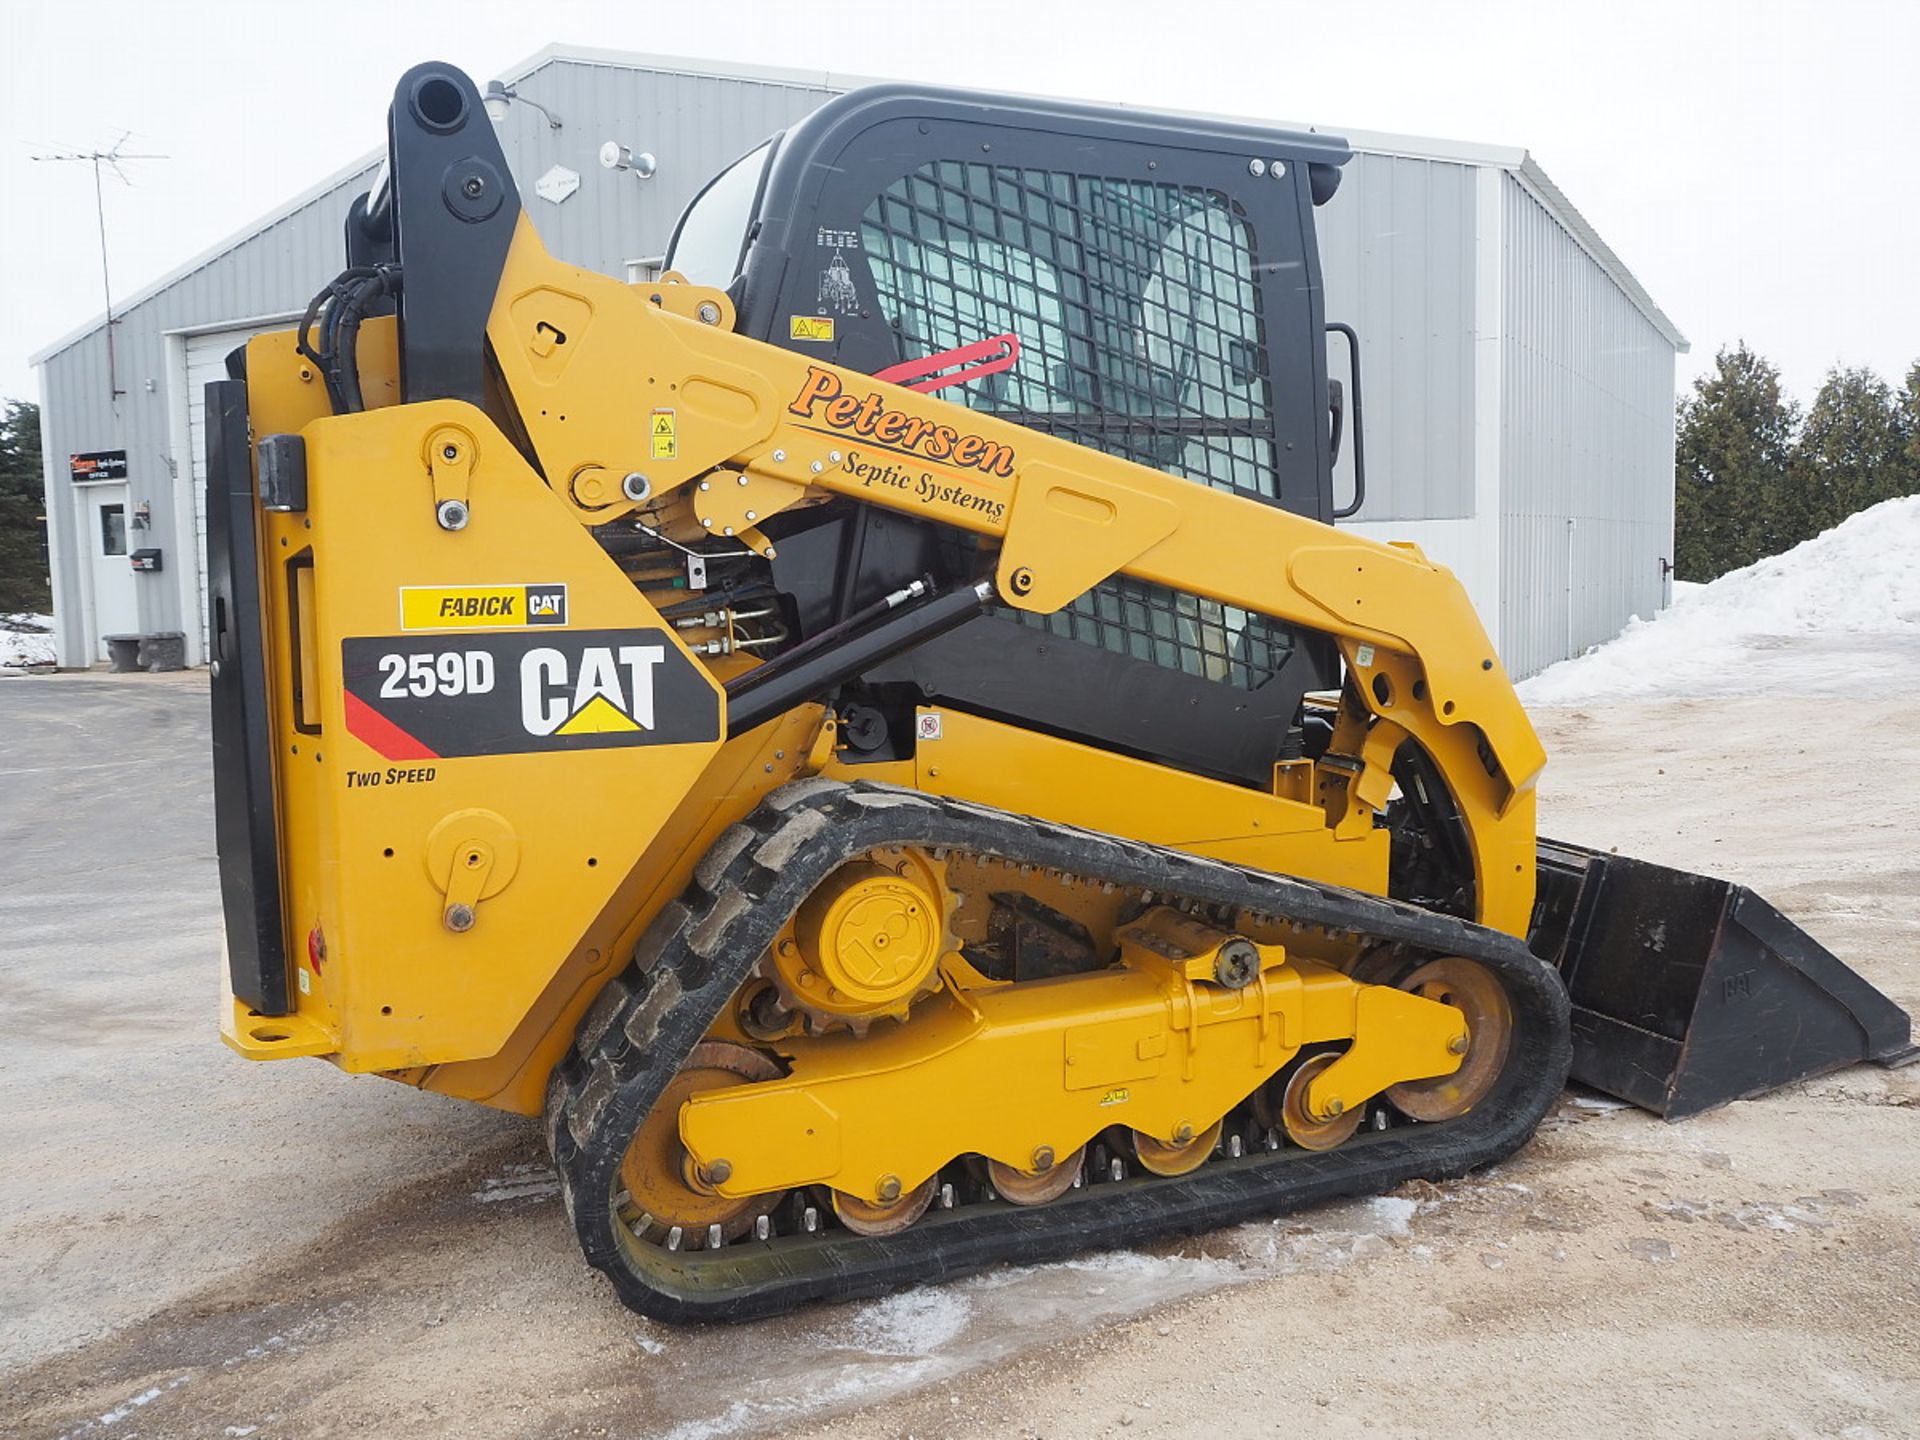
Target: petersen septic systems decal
[
  {"x": 866, "y": 417},
  {"x": 956, "y": 469},
  {"x": 411, "y": 697}
]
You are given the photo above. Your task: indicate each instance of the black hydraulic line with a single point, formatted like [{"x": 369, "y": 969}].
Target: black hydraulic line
[
  {"x": 865, "y": 616},
  {"x": 842, "y": 652},
  {"x": 384, "y": 282}
]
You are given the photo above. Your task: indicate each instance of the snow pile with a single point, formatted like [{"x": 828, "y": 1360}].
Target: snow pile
[
  {"x": 26, "y": 640},
  {"x": 1859, "y": 579}
]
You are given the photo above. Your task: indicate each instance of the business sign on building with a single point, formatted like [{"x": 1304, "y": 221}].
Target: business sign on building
[{"x": 96, "y": 465}]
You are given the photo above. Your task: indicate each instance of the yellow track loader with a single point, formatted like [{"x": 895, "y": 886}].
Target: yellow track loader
[{"x": 876, "y": 735}]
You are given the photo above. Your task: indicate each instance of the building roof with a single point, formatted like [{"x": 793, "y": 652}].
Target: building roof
[
  {"x": 1517, "y": 162},
  {"x": 1523, "y": 167}
]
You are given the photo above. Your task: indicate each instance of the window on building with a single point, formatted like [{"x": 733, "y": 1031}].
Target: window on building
[{"x": 113, "y": 529}]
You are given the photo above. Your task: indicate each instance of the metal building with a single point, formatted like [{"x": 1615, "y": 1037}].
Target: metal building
[{"x": 1518, "y": 381}]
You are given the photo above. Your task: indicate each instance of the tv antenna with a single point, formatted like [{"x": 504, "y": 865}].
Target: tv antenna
[{"x": 108, "y": 159}]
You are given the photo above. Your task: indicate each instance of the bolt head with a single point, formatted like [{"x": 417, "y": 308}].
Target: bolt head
[
  {"x": 1458, "y": 1045},
  {"x": 719, "y": 1172},
  {"x": 452, "y": 515},
  {"x": 1182, "y": 1133},
  {"x": 1043, "y": 1159},
  {"x": 752, "y": 515},
  {"x": 636, "y": 486},
  {"x": 779, "y": 456},
  {"x": 1336, "y": 1107},
  {"x": 449, "y": 452},
  {"x": 888, "y": 1190},
  {"x": 459, "y": 918},
  {"x": 1256, "y": 167},
  {"x": 709, "y": 313},
  {"x": 817, "y": 467}
]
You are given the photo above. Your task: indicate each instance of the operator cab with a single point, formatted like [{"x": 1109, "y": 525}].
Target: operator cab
[{"x": 1145, "y": 285}]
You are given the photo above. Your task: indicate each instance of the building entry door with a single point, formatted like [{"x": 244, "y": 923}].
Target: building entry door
[{"x": 114, "y": 610}]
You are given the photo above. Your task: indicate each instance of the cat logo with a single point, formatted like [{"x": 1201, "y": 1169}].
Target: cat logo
[
  {"x": 546, "y": 604},
  {"x": 524, "y": 690},
  {"x": 481, "y": 607},
  {"x": 610, "y": 690}
]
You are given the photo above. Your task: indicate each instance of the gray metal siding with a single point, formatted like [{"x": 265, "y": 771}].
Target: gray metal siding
[
  {"x": 1397, "y": 255},
  {"x": 1586, "y": 446},
  {"x": 694, "y": 124},
  {"x": 272, "y": 272}
]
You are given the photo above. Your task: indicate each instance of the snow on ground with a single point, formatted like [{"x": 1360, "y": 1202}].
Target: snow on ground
[
  {"x": 1857, "y": 587},
  {"x": 26, "y": 640}
]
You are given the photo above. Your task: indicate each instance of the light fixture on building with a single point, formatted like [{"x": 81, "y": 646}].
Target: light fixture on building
[
  {"x": 616, "y": 156},
  {"x": 500, "y": 95}
]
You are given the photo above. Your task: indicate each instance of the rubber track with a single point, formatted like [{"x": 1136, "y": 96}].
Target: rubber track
[{"x": 704, "y": 944}]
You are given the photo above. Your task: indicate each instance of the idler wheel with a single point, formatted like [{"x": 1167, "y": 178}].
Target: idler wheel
[
  {"x": 1471, "y": 989},
  {"x": 664, "y": 1196},
  {"x": 1176, "y": 1157},
  {"x": 870, "y": 1217},
  {"x": 1303, "y": 1127},
  {"x": 1036, "y": 1187}
]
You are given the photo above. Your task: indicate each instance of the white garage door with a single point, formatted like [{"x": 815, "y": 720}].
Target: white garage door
[{"x": 206, "y": 362}]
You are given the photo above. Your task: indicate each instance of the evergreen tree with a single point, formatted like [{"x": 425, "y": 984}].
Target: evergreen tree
[
  {"x": 1909, "y": 405},
  {"x": 1853, "y": 452},
  {"x": 23, "y": 528},
  {"x": 1733, "y": 445}
]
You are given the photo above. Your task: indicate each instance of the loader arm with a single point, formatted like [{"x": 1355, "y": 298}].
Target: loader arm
[{"x": 758, "y": 430}]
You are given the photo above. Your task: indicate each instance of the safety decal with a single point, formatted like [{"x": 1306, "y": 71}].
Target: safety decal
[
  {"x": 481, "y": 607},
  {"x": 810, "y": 327},
  {"x": 836, "y": 291},
  {"x": 409, "y": 698},
  {"x": 665, "y": 432}
]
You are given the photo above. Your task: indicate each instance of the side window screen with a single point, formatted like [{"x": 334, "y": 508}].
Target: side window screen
[{"x": 1138, "y": 308}]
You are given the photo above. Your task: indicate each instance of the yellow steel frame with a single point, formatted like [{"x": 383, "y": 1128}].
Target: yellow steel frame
[
  {"x": 599, "y": 840},
  {"x": 1046, "y": 1065}
]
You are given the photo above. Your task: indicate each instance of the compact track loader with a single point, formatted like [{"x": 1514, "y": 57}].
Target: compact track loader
[{"x": 876, "y": 735}]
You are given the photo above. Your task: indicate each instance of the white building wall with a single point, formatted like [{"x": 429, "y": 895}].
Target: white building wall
[{"x": 1586, "y": 445}]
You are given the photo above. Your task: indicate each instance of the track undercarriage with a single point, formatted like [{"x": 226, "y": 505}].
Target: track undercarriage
[{"x": 729, "y": 1149}]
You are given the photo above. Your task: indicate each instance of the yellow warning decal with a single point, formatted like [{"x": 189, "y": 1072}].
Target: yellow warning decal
[
  {"x": 666, "y": 435},
  {"x": 481, "y": 607},
  {"x": 810, "y": 327},
  {"x": 599, "y": 716}
]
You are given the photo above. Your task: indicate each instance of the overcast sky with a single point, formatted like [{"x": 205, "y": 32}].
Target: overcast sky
[{"x": 1753, "y": 163}]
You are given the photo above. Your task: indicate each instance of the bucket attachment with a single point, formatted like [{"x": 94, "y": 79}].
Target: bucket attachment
[{"x": 1689, "y": 991}]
